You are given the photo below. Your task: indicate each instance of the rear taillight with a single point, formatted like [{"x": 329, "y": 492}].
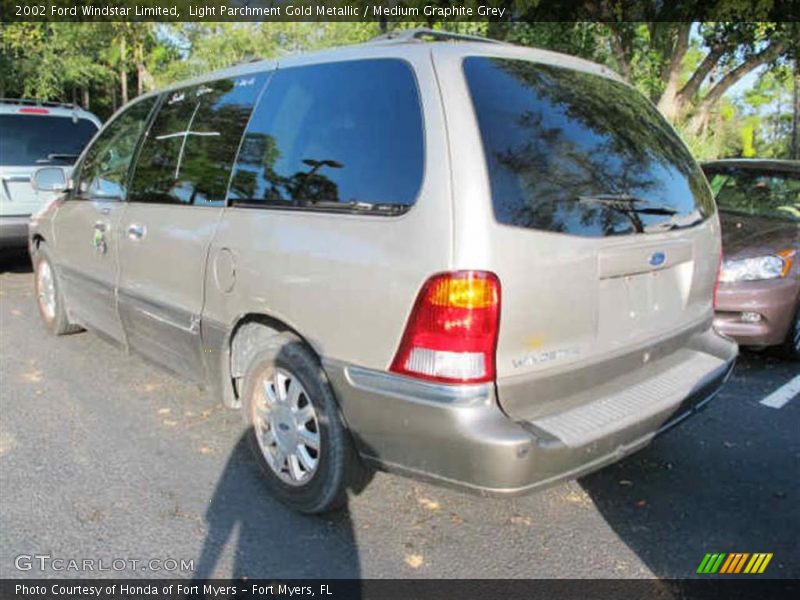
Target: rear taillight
[
  {"x": 451, "y": 335},
  {"x": 33, "y": 111}
]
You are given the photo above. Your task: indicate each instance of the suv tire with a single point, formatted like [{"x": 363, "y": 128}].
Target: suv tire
[
  {"x": 49, "y": 299},
  {"x": 295, "y": 429}
]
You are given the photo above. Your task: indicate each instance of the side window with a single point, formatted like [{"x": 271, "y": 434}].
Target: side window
[
  {"x": 340, "y": 136},
  {"x": 189, "y": 151},
  {"x": 104, "y": 171}
]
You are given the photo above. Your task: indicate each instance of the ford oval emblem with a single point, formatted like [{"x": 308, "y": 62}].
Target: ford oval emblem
[{"x": 657, "y": 259}]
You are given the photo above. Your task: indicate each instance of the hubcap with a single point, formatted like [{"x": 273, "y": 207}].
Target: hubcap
[
  {"x": 286, "y": 427},
  {"x": 46, "y": 290}
]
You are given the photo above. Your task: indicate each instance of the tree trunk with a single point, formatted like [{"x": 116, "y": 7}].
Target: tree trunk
[
  {"x": 668, "y": 103},
  {"x": 699, "y": 120},
  {"x": 123, "y": 70},
  {"x": 795, "y": 150},
  {"x": 618, "y": 50},
  {"x": 144, "y": 79},
  {"x": 683, "y": 98},
  {"x": 85, "y": 98},
  {"x": 141, "y": 71}
]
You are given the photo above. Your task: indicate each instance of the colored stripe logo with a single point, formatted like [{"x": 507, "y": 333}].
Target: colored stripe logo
[{"x": 735, "y": 562}]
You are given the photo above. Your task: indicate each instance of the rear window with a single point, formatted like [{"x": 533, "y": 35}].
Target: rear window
[
  {"x": 30, "y": 140},
  {"x": 334, "y": 137},
  {"x": 761, "y": 192},
  {"x": 576, "y": 153}
]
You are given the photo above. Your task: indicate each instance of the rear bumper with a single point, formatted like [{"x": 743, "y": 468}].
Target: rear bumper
[
  {"x": 14, "y": 231},
  {"x": 775, "y": 300},
  {"x": 458, "y": 435}
]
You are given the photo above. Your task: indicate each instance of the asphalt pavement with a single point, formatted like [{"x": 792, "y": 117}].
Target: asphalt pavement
[{"x": 107, "y": 458}]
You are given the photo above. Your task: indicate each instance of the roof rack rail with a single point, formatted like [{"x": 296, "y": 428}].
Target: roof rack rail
[
  {"x": 420, "y": 34},
  {"x": 28, "y": 102}
]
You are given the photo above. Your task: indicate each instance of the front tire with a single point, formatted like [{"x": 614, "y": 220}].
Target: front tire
[
  {"x": 49, "y": 299},
  {"x": 791, "y": 347},
  {"x": 295, "y": 429}
]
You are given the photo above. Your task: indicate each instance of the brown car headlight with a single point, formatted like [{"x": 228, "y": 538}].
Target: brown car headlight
[{"x": 759, "y": 268}]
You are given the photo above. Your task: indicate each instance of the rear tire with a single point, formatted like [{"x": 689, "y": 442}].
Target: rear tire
[
  {"x": 49, "y": 299},
  {"x": 295, "y": 429}
]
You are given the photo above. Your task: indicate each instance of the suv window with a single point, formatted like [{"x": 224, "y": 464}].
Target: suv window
[
  {"x": 577, "y": 153},
  {"x": 104, "y": 169},
  {"x": 30, "y": 140},
  {"x": 341, "y": 136},
  {"x": 189, "y": 151}
]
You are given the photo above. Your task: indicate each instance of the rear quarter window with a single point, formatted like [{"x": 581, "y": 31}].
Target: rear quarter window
[
  {"x": 572, "y": 152},
  {"x": 344, "y": 136},
  {"x": 188, "y": 154}
]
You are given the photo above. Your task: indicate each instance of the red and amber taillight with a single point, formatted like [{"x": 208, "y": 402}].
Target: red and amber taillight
[{"x": 451, "y": 335}]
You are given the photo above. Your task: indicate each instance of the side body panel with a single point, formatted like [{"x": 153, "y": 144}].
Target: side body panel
[{"x": 162, "y": 253}]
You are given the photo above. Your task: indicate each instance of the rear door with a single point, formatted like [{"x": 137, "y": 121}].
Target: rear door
[
  {"x": 599, "y": 227},
  {"x": 86, "y": 226},
  {"x": 32, "y": 138},
  {"x": 177, "y": 197}
]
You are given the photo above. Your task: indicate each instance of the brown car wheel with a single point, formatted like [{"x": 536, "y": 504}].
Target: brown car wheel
[
  {"x": 791, "y": 347},
  {"x": 49, "y": 299}
]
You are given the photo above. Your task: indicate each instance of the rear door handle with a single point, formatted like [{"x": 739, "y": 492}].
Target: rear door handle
[{"x": 136, "y": 231}]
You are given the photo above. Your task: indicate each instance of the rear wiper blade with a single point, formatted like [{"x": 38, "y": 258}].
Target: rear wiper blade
[
  {"x": 654, "y": 210},
  {"x": 625, "y": 203},
  {"x": 610, "y": 199}
]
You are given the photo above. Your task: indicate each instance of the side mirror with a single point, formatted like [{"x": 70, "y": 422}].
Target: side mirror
[{"x": 49, "y": 179}]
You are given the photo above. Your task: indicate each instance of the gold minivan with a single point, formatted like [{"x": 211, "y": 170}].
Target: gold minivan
[{"x": 479, "y": 264}]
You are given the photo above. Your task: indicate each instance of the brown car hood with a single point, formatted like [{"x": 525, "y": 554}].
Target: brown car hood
[{"x": 744, "y": 236}]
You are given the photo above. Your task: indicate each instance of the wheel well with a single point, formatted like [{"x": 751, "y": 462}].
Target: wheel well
[
  {"x": 249, "y": 334},
  {"x": 247, "y": 337}
]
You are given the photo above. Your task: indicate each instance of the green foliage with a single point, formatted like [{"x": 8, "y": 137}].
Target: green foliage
[{"x": 88, "y": 62}]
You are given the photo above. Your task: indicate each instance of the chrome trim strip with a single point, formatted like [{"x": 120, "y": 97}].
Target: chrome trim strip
[{"x": 406, "y": 388}]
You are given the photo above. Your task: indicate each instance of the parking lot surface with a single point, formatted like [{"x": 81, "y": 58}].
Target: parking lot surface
[{"x": 105, "y": 457}]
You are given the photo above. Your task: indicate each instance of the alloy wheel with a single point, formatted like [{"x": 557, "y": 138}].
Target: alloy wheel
[{"x": 286, "y": 427}]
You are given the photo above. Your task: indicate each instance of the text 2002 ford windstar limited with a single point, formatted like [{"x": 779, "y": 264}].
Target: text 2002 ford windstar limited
[{"x": 479, "y": 264}]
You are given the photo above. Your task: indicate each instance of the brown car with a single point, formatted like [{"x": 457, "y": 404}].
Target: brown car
[{"x": 759, "y": 284}]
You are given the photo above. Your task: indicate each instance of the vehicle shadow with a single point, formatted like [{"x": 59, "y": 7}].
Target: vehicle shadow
[
  {"x": 271, "y": 540},
  {"x": 723, "y": 481},
  {"x": 15, "y": 261}
]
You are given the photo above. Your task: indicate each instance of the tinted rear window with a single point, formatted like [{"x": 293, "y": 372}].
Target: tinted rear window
[
  {"x": 576, "y": 153},
  {"x": 341, "y": 136},
  {"x": 29, "y": 140},
  {"x": 189, "y": 151}
]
